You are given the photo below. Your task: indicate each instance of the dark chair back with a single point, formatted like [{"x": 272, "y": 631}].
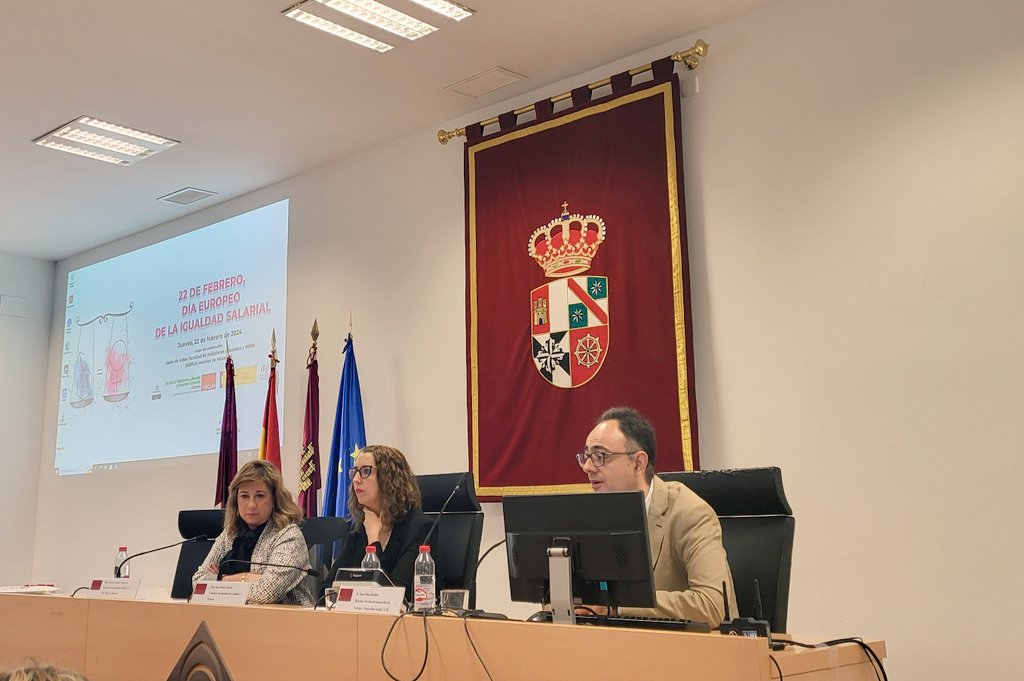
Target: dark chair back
[
  {"x": 757, "y": 531},
  {"x": 325, "y": 538},
  {"x": 459, "y": 530},
  {"x": 192, "y": 524}
]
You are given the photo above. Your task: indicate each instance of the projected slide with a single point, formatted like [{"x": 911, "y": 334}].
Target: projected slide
[{"x": 145, "y": 339}]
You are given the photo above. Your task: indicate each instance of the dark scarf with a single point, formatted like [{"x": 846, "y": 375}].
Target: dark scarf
[{"x": 242, "y": 549}]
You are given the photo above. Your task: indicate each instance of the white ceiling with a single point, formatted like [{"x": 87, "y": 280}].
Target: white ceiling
[{"x": 256, "y": 98}]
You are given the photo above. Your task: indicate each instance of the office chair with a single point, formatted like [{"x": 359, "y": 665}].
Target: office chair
[
  {"x": 459, "y": 531},
  {"x": 757, "y": 531},
  {"x": 191, "y": 524},
  {"x": 325, "y": 538}
]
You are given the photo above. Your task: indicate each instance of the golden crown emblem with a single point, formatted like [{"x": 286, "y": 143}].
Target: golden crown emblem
[{"x": 566, "y": 245}]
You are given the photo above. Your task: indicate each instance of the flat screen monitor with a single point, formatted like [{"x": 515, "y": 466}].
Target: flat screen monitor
[{"x": 606, "y": 535}]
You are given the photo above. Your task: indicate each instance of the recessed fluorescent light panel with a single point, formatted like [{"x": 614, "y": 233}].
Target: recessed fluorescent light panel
[
  {"x": 382, "y": 16},
  {"x": 375, "y": 13},
  {"x": 451, "y": 10},
  {"x": 103, "y": 141},
  {"x": 304, "y": 17}
]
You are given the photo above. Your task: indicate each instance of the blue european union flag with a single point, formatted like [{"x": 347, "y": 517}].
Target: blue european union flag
[{"x": 349, "y": 434}]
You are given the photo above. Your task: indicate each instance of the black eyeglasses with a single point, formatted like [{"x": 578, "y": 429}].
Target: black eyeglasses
[
  {"x": 599, "y": 457},
  {"x": 364, "y": 472}
]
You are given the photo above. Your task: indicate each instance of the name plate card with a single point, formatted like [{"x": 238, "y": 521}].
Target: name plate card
[
  {"x": 224, "y": 593},
  {"x": 115, "y": 588},
  {"x": 379, "y": 600}
]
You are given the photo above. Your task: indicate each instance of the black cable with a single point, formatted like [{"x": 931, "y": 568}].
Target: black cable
[
  {"x": 486, "y": 553},
  {"x": 777, "y": 667},
  {"x": 602, "y": 619},
  {"x": 327, "y": 592},
  {"x": 873, "y": 659},
  {"x": 426, "y": 646},
  {"x": 77, "y": 590},
  {"x": 465, "y": 624},
  {"x": 472, "y": 578}
]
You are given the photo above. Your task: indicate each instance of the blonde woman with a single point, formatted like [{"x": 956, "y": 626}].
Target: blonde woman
[
  {"x": 384, "y": 501},
  {"x": 261, "y": 526}
]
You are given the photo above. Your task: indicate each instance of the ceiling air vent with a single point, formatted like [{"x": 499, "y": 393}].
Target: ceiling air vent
[
  {"x": 184, "y": 197},
  {"x": 484, "y": 82}
]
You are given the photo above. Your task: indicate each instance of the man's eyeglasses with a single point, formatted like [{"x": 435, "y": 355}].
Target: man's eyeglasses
[
  {"x": 364, "y": 472},
  {"x": 599, "y": 457}
]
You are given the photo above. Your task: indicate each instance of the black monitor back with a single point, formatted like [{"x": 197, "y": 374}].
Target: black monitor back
[{"x": 609, "y": 546}]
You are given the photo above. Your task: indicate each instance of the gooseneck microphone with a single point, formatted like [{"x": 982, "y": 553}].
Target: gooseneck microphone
[
  {"x": 117, "y": 570},
  {"x": 444, "y": 506},
  {"x": 237, "y": 561}
]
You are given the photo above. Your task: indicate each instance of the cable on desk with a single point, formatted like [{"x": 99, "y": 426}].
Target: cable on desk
[
  {"x": 777, "y": 667},
  {"x": 873, "y": 659},
  {"x": 323, "y": 599},
  {"x": 79, "y": 589},
  {"x": 465, "y": 624},
  {"x": 426, "y": 645}
]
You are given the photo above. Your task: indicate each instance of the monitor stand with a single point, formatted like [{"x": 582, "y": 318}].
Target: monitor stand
[{"x": 560, "y": 578}]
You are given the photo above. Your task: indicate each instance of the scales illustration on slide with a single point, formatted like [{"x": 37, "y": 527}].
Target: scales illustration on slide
[{"x": 117, "y": 360}]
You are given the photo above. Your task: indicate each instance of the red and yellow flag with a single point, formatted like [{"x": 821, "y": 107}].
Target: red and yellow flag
[{"x": 270, "y": 437}]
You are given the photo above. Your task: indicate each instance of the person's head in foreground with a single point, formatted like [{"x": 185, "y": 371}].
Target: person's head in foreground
[
  {"x": 620, "y": 452},
  {"x": 37, "y": 672}
]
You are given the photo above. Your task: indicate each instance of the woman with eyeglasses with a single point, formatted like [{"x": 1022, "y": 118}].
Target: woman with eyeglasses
[
  {"x": 384, "y": 501},
  {"x": 260, "y": 526}
]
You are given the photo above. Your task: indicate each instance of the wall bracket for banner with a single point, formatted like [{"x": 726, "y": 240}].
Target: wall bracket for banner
[{"x": 691, "y": 58}]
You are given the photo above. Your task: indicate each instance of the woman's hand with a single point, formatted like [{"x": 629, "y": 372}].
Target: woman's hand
[{"x": 242, "y": 577}]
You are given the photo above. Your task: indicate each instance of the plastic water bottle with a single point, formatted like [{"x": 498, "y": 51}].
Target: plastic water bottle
[
  {"x": 122, "y": 553},
  {"x": 370, "y": 560},
  {"x": 423, "y": 581}
]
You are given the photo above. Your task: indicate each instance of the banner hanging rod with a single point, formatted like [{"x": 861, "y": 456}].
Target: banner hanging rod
[{"x": 691, "y": 58}]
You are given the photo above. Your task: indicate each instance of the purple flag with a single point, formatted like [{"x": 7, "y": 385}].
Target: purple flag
[
  {"x": 227, "y": 464},
  {"x": 309, "y": 460}
]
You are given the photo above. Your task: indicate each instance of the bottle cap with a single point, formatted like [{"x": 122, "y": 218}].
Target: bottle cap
[
  {"x": 122, "y": 548},
  {"x": 371, "y": 549},
  {"x": 425, "y": 548}
]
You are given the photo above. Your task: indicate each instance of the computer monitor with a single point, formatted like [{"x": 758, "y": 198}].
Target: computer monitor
[{"x": 606, "y": 539}]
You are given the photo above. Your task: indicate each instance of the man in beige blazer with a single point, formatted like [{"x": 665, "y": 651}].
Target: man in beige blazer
[{"x": 689, "y": 560}]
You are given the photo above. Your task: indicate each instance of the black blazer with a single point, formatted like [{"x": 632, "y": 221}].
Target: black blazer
[{"x": 398, "y": 559}]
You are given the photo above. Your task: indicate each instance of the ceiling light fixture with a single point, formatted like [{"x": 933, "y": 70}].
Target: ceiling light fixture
[
  {"x": 122, "y": 146},
  {"x": 451, "y": 10},
  {"x": 107, "y": 158},
  {"x": 304, "y": 17},
  {"x": 382, "y": 16}
]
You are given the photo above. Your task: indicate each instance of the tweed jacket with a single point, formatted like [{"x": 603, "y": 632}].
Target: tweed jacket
[
  {"x": 689, "y": 560},
  {"x": 284, "y": 546}
]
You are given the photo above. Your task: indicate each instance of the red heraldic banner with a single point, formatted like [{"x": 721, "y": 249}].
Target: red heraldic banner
[{"x": 577, "y": 285}]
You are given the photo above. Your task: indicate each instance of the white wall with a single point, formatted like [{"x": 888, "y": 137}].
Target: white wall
[
  {"x": 855, "y": 247},
  {"x": 23, "y": 345}
]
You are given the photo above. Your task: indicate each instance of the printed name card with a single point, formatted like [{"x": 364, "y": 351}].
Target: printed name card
[
  {"x": 224, "y": 593},
  {"x": 379, "y": 600},
  {"x": 115, "y": 588}
]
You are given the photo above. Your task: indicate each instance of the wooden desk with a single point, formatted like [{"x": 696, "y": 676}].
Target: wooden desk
[{"x": 114, "y": 640}]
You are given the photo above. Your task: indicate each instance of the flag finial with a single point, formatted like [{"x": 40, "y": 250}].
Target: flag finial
[
  {"x": 314, "y": 334},
  {"x": 273, "y": 349}
]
